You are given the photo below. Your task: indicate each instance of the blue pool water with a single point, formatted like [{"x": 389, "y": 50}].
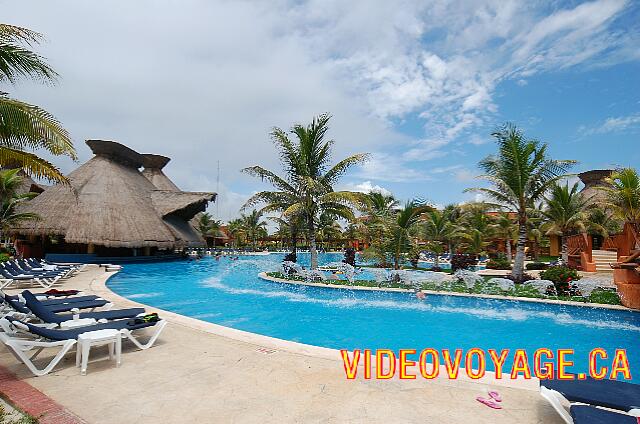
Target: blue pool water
[{"x": 229, "y": 293}]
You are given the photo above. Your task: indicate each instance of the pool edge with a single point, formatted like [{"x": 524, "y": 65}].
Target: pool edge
[
  {"x": 264, "y": 276},
  {"x": 99, "y": 287}
]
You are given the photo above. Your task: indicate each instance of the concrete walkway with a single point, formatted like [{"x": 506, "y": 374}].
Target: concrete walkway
[{"x": 193, "y": 375}]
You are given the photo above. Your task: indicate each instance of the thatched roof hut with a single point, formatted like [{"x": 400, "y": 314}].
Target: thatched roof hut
[
  {"x": 593, "y": 181},
  {"x": 111, "y": 203}
]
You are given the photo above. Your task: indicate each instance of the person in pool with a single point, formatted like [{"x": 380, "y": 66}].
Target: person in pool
[{"x": 420, "y": 295}]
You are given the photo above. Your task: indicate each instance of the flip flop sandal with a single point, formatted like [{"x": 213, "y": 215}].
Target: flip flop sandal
[
  {"x": 495, "y": 395},
  {"x": 488, "y": 402}
]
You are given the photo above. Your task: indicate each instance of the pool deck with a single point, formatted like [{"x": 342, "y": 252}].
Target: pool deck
[{"x": 201, "y": 372}]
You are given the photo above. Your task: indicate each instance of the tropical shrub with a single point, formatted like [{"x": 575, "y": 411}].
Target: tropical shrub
[
  {"x": 536, "y": 265},
  {"x": 562, "y": 277},
  {"x": 462, "y": 261},
  {"x": 290, "y": 257},
  {"x": 4, "y": 257},
  {"x": 499, "y": 263}
]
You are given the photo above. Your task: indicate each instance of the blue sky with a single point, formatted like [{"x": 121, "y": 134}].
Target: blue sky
[{"x": 418, "y": 84}]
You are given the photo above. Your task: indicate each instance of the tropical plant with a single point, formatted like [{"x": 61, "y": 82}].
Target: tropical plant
[
  {"x": 237, "y": 232},
  {"x": 438, "y": 231},
  {"x": 24, "y": 126},
  {"x": 328, "y": 229},
  {"x": 403, "y": 228},
  {"x": 307, "y": 190},
  {"x": 535, "y": 229},
  {"x": 208, "y": 227},
  {"x": 476, "y": 227},
  {"x": 254, "y": 227},
  {"x": 565, "y": 212},
  {"x": 623, "y": 197},
  {"x": 10, "y": 181},
  {"x": 520, "y": 174},
  {"x": 504, "y": 227}
]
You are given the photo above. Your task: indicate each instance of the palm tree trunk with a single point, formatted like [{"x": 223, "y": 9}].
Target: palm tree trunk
[
  {"x": 507, "y": 247},
  {"x": 312, "y": 245},
  {"x": 565, "y": 249},
  {"x": 518, "y": 263}
]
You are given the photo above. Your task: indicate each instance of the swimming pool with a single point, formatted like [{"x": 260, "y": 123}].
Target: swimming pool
[{"x": 229, "y": 293}]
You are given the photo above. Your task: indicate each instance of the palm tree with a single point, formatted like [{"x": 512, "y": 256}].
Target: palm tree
[
  {"x": 307, "y": 188},
  {"x": 254, "y": 226},
  {"x": 237, "y": 231},
  {"x": 565, "y": 212},
  {"x": 22, "y": 125},
  {"x": 476, "y": 227},
  {"x": 504, "y": 227},
  {"x": 10, "y": 181},
  {"x": 328, "y": 228},
  {"x": 623, "y": 198},
  {"x": 403, "y": 226},
  {"x": 535, "y": 229},
  {"x": 208, "y": 227},
  {"x": 520, "y": 174},
  {"x": 438, "y": 230}
]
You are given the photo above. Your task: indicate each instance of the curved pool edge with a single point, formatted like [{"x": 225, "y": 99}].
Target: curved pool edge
[
  {"x": 264, "y": 276},
  {"x": 99, "y": 287}
]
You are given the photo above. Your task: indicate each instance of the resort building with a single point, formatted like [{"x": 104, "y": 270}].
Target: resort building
[{"x": 113, "y": 209}]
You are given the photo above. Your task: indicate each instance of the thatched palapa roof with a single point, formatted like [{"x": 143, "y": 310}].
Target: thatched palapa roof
[{"x": 114, "y": 204}]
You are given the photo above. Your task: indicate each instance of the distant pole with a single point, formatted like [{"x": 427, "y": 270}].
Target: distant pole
[{"x": 218, "y": 192}]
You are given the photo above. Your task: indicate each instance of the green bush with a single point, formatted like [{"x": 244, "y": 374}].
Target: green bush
[
  {"x": 537, "y": 265},
  {"x": 562, "y": 277},
  {"x": 4, "y": 257},
  {"x": 499, "y": 263}
]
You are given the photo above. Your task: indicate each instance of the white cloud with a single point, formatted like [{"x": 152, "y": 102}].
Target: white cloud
[
  {"x": 365, "y": 187},
  {"x": 615, "y": 124},
  {"x": 202, "y": 81}
]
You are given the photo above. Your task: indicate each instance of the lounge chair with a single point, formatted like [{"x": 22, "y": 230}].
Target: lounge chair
[
  {"x": 13, "y": 305},
  {"x": 610, "y": 394},
  {"x": 585, "y": 414},
  {"x": 47, "y": 316},
  {"x": 13, "y": 277},
  {"x": 63, "y": 339}
]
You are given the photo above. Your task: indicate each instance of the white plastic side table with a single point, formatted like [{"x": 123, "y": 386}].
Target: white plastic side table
[{"x": 111, "y": 337}]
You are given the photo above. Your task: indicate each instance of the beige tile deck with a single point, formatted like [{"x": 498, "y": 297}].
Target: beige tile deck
[{"x": 194, "y": 375}]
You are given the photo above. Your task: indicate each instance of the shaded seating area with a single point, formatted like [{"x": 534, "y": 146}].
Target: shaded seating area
[{"x": 32, "y": 323}]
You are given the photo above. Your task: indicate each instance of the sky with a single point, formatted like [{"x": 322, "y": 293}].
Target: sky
[{"x": 420, "y": 85}]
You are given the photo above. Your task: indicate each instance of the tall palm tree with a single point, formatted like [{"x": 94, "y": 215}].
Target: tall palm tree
[
  {"x": 24, "y": 126},
  {"x": 623, "y": 198},
  {"x": 438, "y": 230},
  {"x": 306, "y": 190},
  {"x": 10, "y": 181},
  {"x": 254, "y": 226},
  {"x": 520, "y": 174},
  {"x": 565, "y": 212},
  {"x": 403, "y": 226}
]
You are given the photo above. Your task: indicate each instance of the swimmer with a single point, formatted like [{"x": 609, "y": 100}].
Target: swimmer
[{"x": 420, "y": 295}]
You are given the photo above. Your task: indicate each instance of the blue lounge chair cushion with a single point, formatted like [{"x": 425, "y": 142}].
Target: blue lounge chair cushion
[
  {"x": 47, "y": 315},
  {"x": 59, "y": 307},
  {"x": 585, "y": 414},
  {"x": 608, "y": 393},
  {"x": 73, "y": 333},
  {"x": 75, "y": 299}
]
